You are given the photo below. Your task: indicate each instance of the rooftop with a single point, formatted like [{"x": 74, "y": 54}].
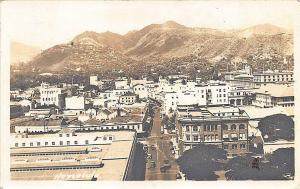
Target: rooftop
[{"x": 276, "y": 90}]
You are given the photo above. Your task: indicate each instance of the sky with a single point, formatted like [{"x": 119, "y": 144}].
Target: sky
[{"x": 45, "y": 23}]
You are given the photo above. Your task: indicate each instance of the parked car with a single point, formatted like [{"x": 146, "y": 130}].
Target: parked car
[
  {"x": 153, "y": 147},
  {"x": 152, "y": 164},
  {"x": 149, "y": 156}
]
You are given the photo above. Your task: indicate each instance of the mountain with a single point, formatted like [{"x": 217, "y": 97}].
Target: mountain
[
  {"x": 162, "y": 44},
  {"x": 22, "y": 53}
]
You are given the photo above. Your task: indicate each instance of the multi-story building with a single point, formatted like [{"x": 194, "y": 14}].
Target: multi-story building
[
  {"x": 271, "y": 95},
  {"x": 239, "y": 96},
  {"x": 52, "y": 95},
  {"x": 69, "y": 155},
  {"x": 229, "y": 132},
  {"x": 128, "y": 98},
  {"x": 140, "y": 90},
  {"x": 217, "y": 93},
  {"x": 273, "y": 77}
]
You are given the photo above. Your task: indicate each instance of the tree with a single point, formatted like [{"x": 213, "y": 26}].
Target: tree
[
  {"x": 278, "y": 126},
  {"x": 240, "y": 168},
  {"x": 200, "y": 162},
  {"x": 284, "y": 160}
]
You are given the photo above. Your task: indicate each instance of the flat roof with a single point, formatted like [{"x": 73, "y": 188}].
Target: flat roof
[
  {"x": 114, "y": 157},
  {"x": 276, "y": 90}
]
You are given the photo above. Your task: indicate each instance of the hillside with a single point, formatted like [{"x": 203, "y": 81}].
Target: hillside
[{"x": 159, "y": 44}]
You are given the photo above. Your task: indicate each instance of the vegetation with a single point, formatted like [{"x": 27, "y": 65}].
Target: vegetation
[
  {"x": 201, "y": 162},
  {"x": 278, "y": 126}
]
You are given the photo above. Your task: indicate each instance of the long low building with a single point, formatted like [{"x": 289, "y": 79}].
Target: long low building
[{"x": 70, "y": 155}]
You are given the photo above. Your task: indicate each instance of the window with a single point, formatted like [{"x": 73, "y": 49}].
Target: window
[
  {"x": 110, "y": 138},
  {"x": 68, "y": 135},
  {"x": 46, "y": 143},
  {"x": 216, "y": 127},
  {"x": 61, "y": 143},
  {"x": 242, "y": 136},
  {"x": 195, "y": 128},
  {"x": 68, "y": 142},
  {"x": 242, "y": 126},
  {"x": 187, "y": 137},
  {"x": 204, "y": 127},
  {"x": 233, "y": 127},
  {"x": 242, "y": 146},
  {"x": 75, "y": 142},
  {"x": 195, "y": 138},
  {"x": 60, "y": 135},
  {"x": 53, "y": 143},
  {"x": 225, "y": 146},
  {"x": 187, "y": 128},
  {"x": 16, "y": 144},
  {"x": 225, "y": 127},
  {"x": 23, "y": 144},
  {"x": 216, "y": 137},
  {"x": 86, "y": 142},
  {"x": 38, "y": 143},
  {"x": 31, "y": 143},
  {"x": 234, "y": 146}
]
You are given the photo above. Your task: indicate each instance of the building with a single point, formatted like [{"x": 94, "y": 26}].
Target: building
[
  {"x": 75, "y": 103},
  {"x": 128, "y": 98},
  {"x": 96, "y": 81},
  {"x": 229, "y": 132},
  {"x": 273, "y": 77},
  {"x": 238, "y": 96},
  {"x": 271, "y": 95},
  {"x": 77, "y": 155},
  {"x": 240, "y": 78},
  {"x": 140, "y": 90},
  {"x": 52, "y": 95},
  {"x": 217, "y": 93}
]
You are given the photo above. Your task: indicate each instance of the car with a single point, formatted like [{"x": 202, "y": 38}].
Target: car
[
  {"x": 145, "y": 147},
  {"x": 163, "y": 169},
  {"x": 166, "y": 161},
  {"x": 162, "y": 132},
  {"x": 152, "y": 164},
  {"x": 167, "y": 164},
  {"x": 153, "y": 147},
  {"x": 149, "y": 156}
]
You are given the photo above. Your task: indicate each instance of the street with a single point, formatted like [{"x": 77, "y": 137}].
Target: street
[{"x": 160, "y": 153}]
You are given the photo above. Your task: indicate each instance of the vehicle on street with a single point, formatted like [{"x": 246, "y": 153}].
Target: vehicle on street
[
  {"x": 149, "y": 156},
  {"x": 153, "y": 147},
  {"x": 163, "y": 169},
  {"x": 152, "y": 164}
]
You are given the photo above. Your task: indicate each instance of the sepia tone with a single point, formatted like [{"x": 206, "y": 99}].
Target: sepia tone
[{"x": 165, "y": 101}]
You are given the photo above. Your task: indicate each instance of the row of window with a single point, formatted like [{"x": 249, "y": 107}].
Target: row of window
[
  {"x": 49, "y": 99},
  {"x": 49, "y": 92},
  {"x": 48, "y": 153},
  {"x": 61, "y": 143},
  {"x": 215, "y": 127},
  {"x": 234, "y": 146},
  {"x": 55, "y": 168},
  {"x": 206, "y": 137}
]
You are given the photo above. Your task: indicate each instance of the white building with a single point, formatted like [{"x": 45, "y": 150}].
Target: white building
[
  {"x": 217, "y": 93},
  {"x": 75, "y": 102},
  {"x": 271, "y": 95},
  {"x": 95, "y": 80},
  {"x": 121, "y": 84},
  {"x": 273, "y": 77},
  {"x": 51, "y": 95},
  {"x": 140, "y": 90}
]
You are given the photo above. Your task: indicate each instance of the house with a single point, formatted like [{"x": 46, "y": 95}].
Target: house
[
  {"x": 128, "y": 98},
  {"x": 75, "y": 102},
  {"x": 140, "y": 90}
]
